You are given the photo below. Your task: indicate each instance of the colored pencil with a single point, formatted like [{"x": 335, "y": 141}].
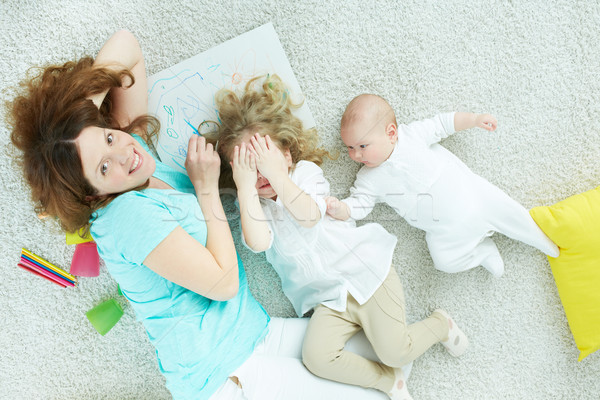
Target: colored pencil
[
  {"x": 26, "y": 268},
  {"x": 42, "y": 272},
  {"x": 32, "y": 261},
  {"x": 49, "y": 265},
  {"x": 45, "y": 272}
]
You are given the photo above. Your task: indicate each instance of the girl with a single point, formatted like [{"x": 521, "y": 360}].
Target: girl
[{"x": 341, "y": 271}]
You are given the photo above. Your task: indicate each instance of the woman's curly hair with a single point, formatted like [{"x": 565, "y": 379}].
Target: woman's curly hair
[
  {"x": 268, "y": 111},
  {"x": 47, "y": 115}
]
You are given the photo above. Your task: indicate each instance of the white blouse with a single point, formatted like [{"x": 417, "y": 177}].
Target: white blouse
[
  {"x": 414, "y": 165},
  {"x": 322, "y": 264}
]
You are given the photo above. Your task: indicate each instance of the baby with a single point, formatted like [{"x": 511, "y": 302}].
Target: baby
[{"x": 405, "y": 167}]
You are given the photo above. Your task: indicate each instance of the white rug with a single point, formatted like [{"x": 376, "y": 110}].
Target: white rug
[{"x": 532, "y": 64}]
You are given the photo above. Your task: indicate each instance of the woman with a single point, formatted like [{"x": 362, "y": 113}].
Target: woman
[{"x": 163, "y": 236}]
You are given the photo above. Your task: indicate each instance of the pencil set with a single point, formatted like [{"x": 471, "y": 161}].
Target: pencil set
[{"x": 38, "y": 266}]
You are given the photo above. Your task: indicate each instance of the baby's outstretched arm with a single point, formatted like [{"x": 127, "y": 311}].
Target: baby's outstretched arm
[
  {"x": 464, "y": 120},
  {"x": 337, "y": 209},
  {"x": 254, "y": 226}
]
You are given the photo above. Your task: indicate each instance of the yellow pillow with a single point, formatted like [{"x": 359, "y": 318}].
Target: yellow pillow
[{"x": 574, "y": 225}]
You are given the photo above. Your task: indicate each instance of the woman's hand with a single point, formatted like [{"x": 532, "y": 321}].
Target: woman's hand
[
  {"x": 243, "y": 165},
  {"x": 270, "y": 161},
  {"x": 202, "y": 164}
]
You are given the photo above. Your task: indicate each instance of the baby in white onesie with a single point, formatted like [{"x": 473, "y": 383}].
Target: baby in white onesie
[{"x": 405, "y": 167}]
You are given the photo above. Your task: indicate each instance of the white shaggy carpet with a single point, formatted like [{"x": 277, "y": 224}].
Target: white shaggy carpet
[{"x": 533, "y": 64}]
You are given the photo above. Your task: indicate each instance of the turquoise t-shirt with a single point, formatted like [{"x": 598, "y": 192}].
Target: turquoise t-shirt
[{"x": 198, "y": 341}]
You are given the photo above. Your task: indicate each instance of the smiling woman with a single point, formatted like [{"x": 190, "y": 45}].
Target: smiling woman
[
  {"x": 163, "y": 235},
  {"x": 113, "y": 161},
  {"x": 53, "y": 109},
  {"x": 71, "y": 123}
]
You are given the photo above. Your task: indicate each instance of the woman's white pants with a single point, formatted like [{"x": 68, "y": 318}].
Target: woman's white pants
[{"x": 275, "y": 371}]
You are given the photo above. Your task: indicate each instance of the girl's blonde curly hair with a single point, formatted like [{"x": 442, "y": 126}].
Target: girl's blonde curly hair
[{"x": 268, "y": 111}]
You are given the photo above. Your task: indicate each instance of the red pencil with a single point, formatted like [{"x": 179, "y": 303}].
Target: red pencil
[
  {"x": 25, "y": 267},
  {"x": 45, "y": 272}
]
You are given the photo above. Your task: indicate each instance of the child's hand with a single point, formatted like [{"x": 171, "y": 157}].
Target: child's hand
[
  {"x": 243, "y": 165},
  {"x": 486, "y": 121},
  {"x": 270, "y": 161},
  {"x": 336, "y": 209},
  {"x": 202, "y": 163}
]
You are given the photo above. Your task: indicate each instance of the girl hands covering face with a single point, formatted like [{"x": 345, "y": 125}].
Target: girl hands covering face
[
  {"x": 270, "y": 161},
  {"x": 243, "y": 164}
]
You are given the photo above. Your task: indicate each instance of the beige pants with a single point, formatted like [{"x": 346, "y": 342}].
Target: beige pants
[{"x": 382, "y": 318}]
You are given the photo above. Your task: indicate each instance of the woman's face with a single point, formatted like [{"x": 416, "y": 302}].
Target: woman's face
[{"x": 113, "y": 161}]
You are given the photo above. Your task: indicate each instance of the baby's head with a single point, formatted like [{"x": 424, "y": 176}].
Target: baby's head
[
  {"x": 369, "y": 129},
  {"x": 266, "y": 109}
]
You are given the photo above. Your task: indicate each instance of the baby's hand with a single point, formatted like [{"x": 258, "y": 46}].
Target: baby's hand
[
  {"x": 486, "y": 121},
  {"x": 243, "y": 166},
  {"x": 270, "y": 161},
  {"x": 336, "y": 209}
]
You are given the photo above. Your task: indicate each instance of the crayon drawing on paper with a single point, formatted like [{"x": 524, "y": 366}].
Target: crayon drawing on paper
[{"x": 182, "y": 96}]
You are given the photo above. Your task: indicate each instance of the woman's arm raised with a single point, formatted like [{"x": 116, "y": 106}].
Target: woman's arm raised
[
  {"x": 183, "y": 260},
  {"x": 211, "y": 271},
  {"x": 122, "y": 50}
]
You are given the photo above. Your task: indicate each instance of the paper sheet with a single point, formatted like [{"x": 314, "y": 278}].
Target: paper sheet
[{"x": 182, "y": 96}]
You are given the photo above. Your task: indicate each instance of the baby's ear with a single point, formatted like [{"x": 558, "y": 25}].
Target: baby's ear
[{"x": 391, "y": 130}]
